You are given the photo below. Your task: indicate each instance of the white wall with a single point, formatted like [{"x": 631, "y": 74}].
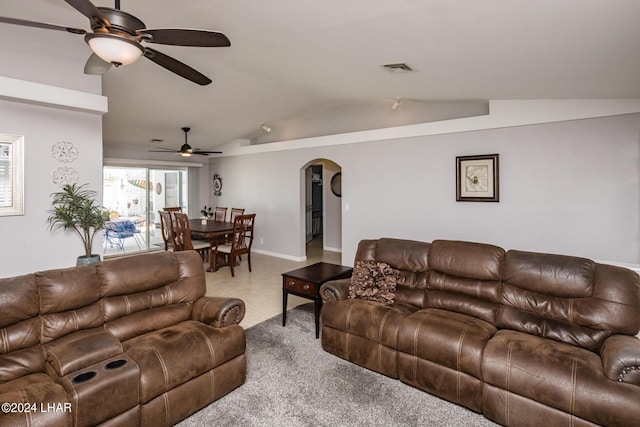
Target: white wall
[
  {"x": 28, "y": 245},
  {"x": 272, "y": 187},
  {"x": 568, "y": 187}
]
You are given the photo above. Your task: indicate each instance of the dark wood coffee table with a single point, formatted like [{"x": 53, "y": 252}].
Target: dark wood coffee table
[{"x": 305, "y": 282}]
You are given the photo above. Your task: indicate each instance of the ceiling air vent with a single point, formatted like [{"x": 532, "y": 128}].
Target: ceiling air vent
[{"x": 399, "y": 67}]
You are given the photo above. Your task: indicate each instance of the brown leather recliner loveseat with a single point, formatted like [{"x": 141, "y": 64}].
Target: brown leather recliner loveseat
[
  {"x": 129, "y": 341},
  {"x": 527, "y": 339}
]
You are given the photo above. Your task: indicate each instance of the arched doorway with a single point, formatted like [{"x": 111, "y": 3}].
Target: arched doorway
[{"x": 322, "y": 207}]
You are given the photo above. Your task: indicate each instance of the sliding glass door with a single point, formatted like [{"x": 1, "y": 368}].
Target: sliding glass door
[{"x": 133, "y": 196}]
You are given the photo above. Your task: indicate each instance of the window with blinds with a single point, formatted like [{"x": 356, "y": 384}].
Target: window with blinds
[
  {"x": 11, "y": 175},
  {"x": 6, "y": 178}
]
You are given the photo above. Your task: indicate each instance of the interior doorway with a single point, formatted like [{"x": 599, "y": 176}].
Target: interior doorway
[{"x": 322, "y": 206}]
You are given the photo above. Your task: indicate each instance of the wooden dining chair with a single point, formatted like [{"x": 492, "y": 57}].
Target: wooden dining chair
[
  {"x": 167, "y": 228},
  {"x": 173, "y": 209},
  {"x": 220, "y": 214},
  {"x": 235, "y": 212},
  {"x": 183, "y": 237},
  {"x": 241, "y": 242}
]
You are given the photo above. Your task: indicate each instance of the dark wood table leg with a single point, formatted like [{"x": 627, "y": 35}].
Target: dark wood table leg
[
  {"x": 317, "y": 305},
  {"x": 284, "y": 307}
]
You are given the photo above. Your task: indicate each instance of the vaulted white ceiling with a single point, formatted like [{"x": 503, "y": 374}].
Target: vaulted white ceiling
[{"x": 292, "y": 59}]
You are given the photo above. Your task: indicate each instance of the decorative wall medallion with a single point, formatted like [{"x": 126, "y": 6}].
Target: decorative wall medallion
[
  {"x": 65, "y": 175},
  {"x": 217, "y": 185},
  {"x": 64, "y": 151}
]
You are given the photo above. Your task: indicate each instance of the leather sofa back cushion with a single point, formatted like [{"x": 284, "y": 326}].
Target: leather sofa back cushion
[
  {"x": 136, "y": 303},
  {"x": 408, "y": 256},
  {"x": 146, "y": 321},
  {"x": 69, "y": 301},
  {"x": 556, "y": 275},
  {"x": 467, "y": 260},
  {"x": 186, "y": 290},
  {"x": 20, "y": 353},
  {"x": 125, "y": 278},
  {"x": 464, "y": 277},
  {"x": 568, "y": 299}
]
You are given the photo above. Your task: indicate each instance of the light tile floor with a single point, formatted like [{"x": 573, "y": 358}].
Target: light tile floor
[{"x": 261, "y": 290}]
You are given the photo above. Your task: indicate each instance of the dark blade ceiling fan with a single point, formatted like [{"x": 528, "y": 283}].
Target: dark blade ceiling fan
[
  {"x": 116, "y": 39},
  {"x": 186, "y": 149}
]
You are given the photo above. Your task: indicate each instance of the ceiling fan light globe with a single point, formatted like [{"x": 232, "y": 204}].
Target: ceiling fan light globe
[
  {"x": 185, "y": 153},
  {"x": 114, "y": 49}
]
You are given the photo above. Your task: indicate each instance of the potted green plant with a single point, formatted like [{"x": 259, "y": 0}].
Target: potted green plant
[{"x": 75, "y": 208}]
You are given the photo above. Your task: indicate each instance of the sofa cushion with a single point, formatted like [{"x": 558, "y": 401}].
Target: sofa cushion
[
  {"x": 20, "y": 353},
  {"x": 136, "y": 304},
  {"x": 558, "y": 375},
  {"x": 409, "y": 257},
  {"x": 364, "y": 332},
  {"x": 464, "y": 277},
  {"x": 568, "y": 299},
  {"x": 69, "y": 301},
  {"x": 447, "y": 338},
  {"x": 81, "y": 349},
  {"x": 176, "y": 354},
  {"x": 440, "y": 352},
  {"x": 374, "y": 281},
  {"x": 38, "y": 389},
  {"x": 470, "y": 260}
]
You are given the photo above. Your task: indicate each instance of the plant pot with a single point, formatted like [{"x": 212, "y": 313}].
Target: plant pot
[{"x": 83, "y": 259}]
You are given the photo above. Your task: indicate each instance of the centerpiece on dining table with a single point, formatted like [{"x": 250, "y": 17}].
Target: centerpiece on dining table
[{"x": 207, "y": 213}]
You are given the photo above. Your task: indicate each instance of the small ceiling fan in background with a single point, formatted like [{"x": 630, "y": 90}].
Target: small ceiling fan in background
[
  {"x": 117, "y": 40},
  {"x": 186, "y": 149}
]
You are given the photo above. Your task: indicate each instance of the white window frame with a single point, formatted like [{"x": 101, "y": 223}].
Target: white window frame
[{"x": 17, "y": 174}]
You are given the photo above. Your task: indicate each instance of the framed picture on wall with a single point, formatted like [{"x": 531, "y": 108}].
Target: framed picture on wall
[{"x": 477, "y": 178}]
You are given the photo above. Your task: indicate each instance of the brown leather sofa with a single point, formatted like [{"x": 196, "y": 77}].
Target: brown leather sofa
[
  {"x": 129, "y": 341},
  {"x": 527, "y": 339}
]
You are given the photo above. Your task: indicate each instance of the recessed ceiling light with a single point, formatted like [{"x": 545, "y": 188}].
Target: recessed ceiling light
[{"x": 399, "y": 67}]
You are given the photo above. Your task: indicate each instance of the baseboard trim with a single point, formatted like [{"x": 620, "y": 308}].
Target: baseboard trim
[
  {"x": 279, "y": 255},
  {"x": 330, "y": 249}
]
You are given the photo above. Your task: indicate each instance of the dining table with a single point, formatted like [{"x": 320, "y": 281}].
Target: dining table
[{"x": 209, "y": 229}]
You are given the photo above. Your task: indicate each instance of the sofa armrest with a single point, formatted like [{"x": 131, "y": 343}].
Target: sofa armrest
[
  {"x": 335, "y": 290},
  {"x": 621, "y": 359},
  {"x": 218, "y": 311},
  {"x": 79, "y": 350}
]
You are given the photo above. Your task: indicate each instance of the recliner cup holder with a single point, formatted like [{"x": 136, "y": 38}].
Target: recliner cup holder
[
  {"x": 117, "y": 376},
  {"x": 116, "y": 364},
  {"x": 84, "y": 377}
]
